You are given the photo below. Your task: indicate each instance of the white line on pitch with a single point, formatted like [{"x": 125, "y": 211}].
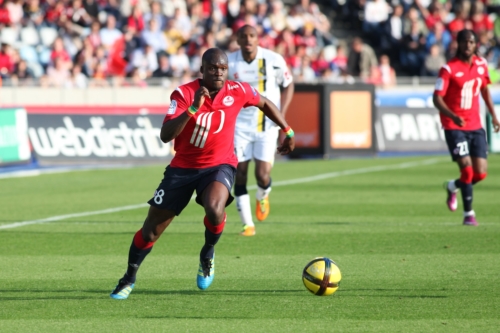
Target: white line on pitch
[{"x": 252, "y": 187}]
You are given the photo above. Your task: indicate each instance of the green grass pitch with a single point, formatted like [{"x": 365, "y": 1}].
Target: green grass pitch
[{"x": 408, "y": 264}]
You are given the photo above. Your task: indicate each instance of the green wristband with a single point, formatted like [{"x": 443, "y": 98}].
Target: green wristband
[{"x": 192, "y": 110}]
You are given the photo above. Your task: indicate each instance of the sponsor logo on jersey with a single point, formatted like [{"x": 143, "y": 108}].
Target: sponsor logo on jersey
[
  {"x": 233, "y": 87},
  {"x": 173, "y": 107},
  {"x": 459, "y": 74},
  {"x": 228, "y": 100},
  {"x": 254, "y": 91},
  {"x": 439, "y": 84},
  {"x": 480, "y": 70}
]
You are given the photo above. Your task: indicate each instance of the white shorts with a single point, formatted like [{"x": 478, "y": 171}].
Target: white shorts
[{"x": 256, "y": 145}]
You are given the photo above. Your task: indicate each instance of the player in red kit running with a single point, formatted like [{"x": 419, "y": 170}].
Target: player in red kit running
[
  {"x": 201, "y": 119},
  {"x": 456, "y": 96}
]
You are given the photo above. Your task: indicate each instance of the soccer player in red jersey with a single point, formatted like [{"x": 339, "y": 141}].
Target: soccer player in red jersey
[
  {"x": 456, "y": 96},
  {"x": 201, "y": 119}
]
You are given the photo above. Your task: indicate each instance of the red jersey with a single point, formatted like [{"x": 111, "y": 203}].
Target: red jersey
[
  {"x": 208, "y": 138},
  {"x": 460, "y": 85}
]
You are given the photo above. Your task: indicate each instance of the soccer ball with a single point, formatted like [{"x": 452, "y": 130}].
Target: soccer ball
[{"x": 321, "y": 276}]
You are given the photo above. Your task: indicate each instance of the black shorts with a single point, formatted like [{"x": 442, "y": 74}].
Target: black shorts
[
  {"x": 178, "y": 185},
  {"x": 466, "y": 143}
]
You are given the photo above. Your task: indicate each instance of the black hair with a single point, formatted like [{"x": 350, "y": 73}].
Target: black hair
[
  {"x": 462, "y": 36},
  {"x": 211, "y": 53},
  {"x": 240, "y": 30}
]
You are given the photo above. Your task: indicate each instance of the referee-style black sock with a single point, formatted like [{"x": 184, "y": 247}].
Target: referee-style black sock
[
  {"x": 139, "y": 249},
  {"x": 212, "y": 236},
  {"x": 466, "y": 190}
]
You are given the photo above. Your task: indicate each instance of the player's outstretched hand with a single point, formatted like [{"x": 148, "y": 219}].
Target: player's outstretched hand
[
  {"x": 287, "y": 146},
  {"x": 199, "y": 97},
  {"x": 459, "y": 121},
  {"x": 496, "y": 125}
]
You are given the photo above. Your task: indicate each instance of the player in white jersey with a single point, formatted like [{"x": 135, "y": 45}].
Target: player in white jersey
[{"x": 256, "y": 135}]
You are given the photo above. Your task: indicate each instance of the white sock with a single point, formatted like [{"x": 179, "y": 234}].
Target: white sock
[
  {"x": 451, "y": 186},
  {"x": 261, "y": 193},
  {"x": 469, "y": 213},
  {"x": 244, "y": 209}
]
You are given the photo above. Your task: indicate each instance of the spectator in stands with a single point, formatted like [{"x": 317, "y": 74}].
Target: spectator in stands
[
  {"x": 173, "y": 37},
  {"x": 145, "y": 60},
  {"x": 412, "y": 17},
  {"x": 58, "y": 73},
  {"x": 262, "y": 17},
  {"x": 481, "y": 22},
  {"x": 156, "y": 13},
  {"x": 433, "y": 62},
  {"x": 180, "y": 62},
  {"x": 22, "y": 74},
  {"x": 154, "y": 37},
  {"x": 136, "y": 19},
  {"x": 183, "y": 23},
  {"x": 78, "y": 15},
  {"x": 375, "y": 15},
  {"x": 277, "y": 16},
  {"x": 6, "y": 62},
  {"x": 385, "y": 75},
  {"x": 305, "y": 73},
  {"x": 461, "y": 19},
  {"x": 16, "y": 13},
  {"x": 135, "y": 79},
  {"x": 95, "y": 34},
  {"x": 413, "y": 53},
  {"x": 112, "y": 8},
  {"x": 164, "y": 68},
  {"x": 319, "y": 64},
  {"x": 438, "y": 36},
  {"x": 92, "y": 8},
  {"x": 393, "y": 35},
  {"x": 132, "y": 42},
  {"x": 58, "y": 51},
  {"x": 77, "y": 79},
  {"x": 110, "y": 33},
  {"x": 339, "y": 63},
  {"x": 361, "y": 59}
]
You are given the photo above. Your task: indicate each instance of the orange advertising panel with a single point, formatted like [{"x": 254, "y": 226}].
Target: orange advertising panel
[
  {"x": 350, "y": 119},
  {"x": 303, "y": 116}
]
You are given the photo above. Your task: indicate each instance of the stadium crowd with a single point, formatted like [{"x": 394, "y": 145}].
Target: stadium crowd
[{"x": 77, "y": 43}]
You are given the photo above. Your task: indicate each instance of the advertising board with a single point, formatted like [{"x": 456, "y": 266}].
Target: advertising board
[
  {"x": 104, "y": 134},
  {"x": 14, "y": 144}
]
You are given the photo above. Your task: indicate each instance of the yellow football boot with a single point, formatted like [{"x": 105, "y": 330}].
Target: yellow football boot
[
  {"x": 248, "y": 231},
  {"x": 262, "y": 209}
]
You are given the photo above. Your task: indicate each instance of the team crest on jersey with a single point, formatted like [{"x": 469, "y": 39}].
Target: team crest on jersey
[
  {"x": 173, "y": 107},
  {"x": 228, "y": 101},
  {"x": 480, "y": 70}
]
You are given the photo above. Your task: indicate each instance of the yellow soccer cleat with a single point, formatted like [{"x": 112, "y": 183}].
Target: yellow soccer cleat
[
  {"x": 248, "y": 231},
  {"x": 262, "y": 209}
]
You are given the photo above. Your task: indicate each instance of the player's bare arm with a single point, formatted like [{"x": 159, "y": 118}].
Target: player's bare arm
[
  {"x": 172, "y": 128},
  {"x": 485, "y": 92},
  {"x": 286, "y": 97},
  {"x": 273, "y": 113},
  {"x": 445, "y": 110}
]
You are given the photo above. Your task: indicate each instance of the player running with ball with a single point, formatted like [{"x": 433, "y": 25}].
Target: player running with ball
[
  {"x": 201, "y": 119},
  {"x": 456, "y": 96}
]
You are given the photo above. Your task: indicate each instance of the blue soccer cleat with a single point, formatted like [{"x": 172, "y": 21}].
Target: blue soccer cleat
[
  {"x": 122, "y": 290},
  {"x": 206, "y": 273}
]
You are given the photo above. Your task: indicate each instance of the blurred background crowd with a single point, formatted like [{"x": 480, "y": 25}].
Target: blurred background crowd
[{"x": 81, "y": 43}]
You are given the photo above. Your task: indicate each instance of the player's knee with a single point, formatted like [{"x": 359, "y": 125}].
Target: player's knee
[
  {"x": 466, "y": 175},
  {"x": 263, "y": 177},
  {"x": 215, "y": 212},
  {"x": 478, "y": 176}
]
